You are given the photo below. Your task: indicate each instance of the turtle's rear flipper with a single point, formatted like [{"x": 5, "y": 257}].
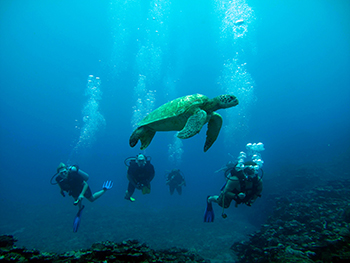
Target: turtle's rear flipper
[
  {"x": 214, "y": 126},
  {"x": 193, "y": 125}
]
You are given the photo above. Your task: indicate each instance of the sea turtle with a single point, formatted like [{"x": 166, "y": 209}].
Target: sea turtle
[{"x": 187, "y": 115}]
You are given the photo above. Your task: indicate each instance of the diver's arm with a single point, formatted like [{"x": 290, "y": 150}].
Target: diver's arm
[
  {"x": 257, "y": 194},
  {"x": 221, "y": 169},
  {"x": 61, "y": 191},
  {"x": 131, "y": 179},
  {"x": 81, "y": 196},
  {"x": 151, "y": 175},
  {"x": 231, "y": 187},
  {"x": 183, "y": 181},
  {"x": 85, "y": 187},
  {"x": 83, "y": 174},
  {"x": 168, "y": 178},
  {"x": 148, "y": 180}
]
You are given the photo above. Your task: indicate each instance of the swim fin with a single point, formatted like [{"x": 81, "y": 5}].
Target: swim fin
[
  {"x": 209, "y": 212},
  {"x": 77, "y": 219},
  {"x": 146, "y": 189}
]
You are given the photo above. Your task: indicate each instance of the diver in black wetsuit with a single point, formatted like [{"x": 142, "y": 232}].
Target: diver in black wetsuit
[{"x": 140, "y": 174}]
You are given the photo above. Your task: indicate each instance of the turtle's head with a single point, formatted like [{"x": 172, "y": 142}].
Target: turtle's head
[{"x": 226, "y": 101}]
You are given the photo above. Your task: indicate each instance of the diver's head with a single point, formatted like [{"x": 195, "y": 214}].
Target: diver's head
[
  {"x": 62, "y": 169},
  {"x": 141, "y": 160},
  {"x": 61, "y": 166},
  {"x": 250, "y": 169}
]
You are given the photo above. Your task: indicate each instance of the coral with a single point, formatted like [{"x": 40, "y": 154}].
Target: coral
[
  {"x": 7, "y": 241},
  {"x": 306, "y": 226},
  {"x": 126, "y": 251},
  {"x": 346, "y": 214}
]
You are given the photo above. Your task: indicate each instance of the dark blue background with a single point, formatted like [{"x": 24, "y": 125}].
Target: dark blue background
[{"x": 297, "y": 53}]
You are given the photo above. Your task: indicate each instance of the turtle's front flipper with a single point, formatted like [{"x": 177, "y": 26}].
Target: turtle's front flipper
[
  {"x": 214, "y": 126},
  {"x": 193, "y": 125},
  {"x": 146, "y": 138},
  {"x": 144, "y": 134},
  {"x": 135, "y": 136}
]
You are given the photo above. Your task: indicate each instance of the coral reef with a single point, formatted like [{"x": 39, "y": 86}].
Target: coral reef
[
  {"x": 306, "y": 226},
  {"x": 126, "y": 251}
]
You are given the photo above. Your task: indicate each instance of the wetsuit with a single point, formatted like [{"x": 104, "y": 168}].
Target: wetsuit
[
  {"x": 73, "y": 184},
  {"x": 139, "y": 176},
  {"x": 237, "y": 183},
  {"x": 175, "y": 180}
]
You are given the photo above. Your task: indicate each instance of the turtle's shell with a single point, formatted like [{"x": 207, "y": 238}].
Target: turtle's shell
[{"x": 174, "y": 111}]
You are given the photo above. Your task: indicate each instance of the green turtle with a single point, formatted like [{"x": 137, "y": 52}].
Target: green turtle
[{"x": 187, "y": 115}]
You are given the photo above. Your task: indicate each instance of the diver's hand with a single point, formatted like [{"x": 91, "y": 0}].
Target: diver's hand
[
  {"x": 62, "y": 193},
  {"x": 107, "y": 185},
  {"x": 81, "y": 197}
]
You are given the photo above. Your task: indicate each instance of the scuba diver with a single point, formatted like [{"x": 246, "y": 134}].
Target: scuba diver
[
  {"x": 175, "y": 180},
  {"x": 73, "y": 181},
  {"x": 243, "y": 183},
  {"x": 140, "y": 174}
]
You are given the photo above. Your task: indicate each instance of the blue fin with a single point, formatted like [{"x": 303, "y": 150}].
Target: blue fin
[
  {"x": 77, "y": 219},
  {"x": 209, "y": 213}
]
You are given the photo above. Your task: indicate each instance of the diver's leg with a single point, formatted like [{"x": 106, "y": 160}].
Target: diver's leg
[
  {"x": 179, "y": 190},
  {"x": 129, "y": 192},
  {"x": 171, "y": 188},
  {"x": 96, "y": 195},
  {"x": 213, "y": 198}
]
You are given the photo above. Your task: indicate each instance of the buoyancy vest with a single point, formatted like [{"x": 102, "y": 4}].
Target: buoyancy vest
[{"x": 250, "y": 192}]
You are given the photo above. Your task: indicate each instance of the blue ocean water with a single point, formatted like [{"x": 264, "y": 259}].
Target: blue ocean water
[{"x": 287, "y": 62}]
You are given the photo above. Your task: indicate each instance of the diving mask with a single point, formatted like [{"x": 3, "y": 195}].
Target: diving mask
[{"x": 141, "y": 160}]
